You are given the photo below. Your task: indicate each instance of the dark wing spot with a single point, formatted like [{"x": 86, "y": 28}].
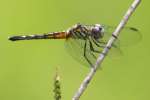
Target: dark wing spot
[{"x": 134, "y": 29}]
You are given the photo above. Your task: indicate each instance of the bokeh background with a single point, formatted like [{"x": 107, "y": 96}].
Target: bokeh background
[{"x": 27, "y": 68}]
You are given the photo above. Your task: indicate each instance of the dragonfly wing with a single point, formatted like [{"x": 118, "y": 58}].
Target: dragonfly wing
[
  {"x": 75, "y": 47},
  {"x": 129, "y": 36}
]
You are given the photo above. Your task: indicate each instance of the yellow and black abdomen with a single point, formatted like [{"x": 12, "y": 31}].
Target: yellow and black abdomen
[{"x": 55, "y": 35}]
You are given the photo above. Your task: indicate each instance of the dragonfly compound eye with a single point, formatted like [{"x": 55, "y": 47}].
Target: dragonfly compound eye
[{"x": 97, "y": 31}]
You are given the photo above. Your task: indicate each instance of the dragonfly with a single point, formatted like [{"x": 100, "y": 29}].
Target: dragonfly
[{"x": 85, "y": 42}]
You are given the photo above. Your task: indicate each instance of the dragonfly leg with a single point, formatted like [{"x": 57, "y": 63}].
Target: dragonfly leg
[
  {"x": 92, "y": 49},
  {"x": 97, "y": 43},
  {"x": 101, "y": 42},
  {"x": 85, "y": 46}
]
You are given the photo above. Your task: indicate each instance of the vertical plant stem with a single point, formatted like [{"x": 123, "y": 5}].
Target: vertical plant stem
[
  {"x": 101, "y": 57},
  {"x": 57, "y": 87}
]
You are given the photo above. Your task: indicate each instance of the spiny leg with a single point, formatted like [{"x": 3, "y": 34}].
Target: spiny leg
[
  {"x": 92, "y": 49},
  {"x": 85, "y": 46},
  {"x": 101, "y": 42},
  {"x": 97, "y": 43},
  {"x": 104, "y": 43}
]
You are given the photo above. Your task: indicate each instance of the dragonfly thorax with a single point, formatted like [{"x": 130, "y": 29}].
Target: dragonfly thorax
[
  {"x": 80, "y": 31},
  {"x": 97, "y": 31}
]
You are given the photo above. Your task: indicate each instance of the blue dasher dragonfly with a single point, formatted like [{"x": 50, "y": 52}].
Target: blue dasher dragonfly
[{"x": 86, "y": 42}]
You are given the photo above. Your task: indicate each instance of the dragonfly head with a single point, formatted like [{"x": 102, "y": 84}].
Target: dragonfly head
[{"x": 97, "y": 31}]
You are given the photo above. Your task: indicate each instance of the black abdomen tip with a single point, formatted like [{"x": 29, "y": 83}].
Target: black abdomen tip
[{"x": 15, "y": 38}]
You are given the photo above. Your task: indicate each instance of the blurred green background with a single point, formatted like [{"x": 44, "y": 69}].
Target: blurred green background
[{"x": 27, "y": 68}]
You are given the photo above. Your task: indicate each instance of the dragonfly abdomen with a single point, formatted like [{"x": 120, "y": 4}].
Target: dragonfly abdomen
[{"x": 56, "y": 35}]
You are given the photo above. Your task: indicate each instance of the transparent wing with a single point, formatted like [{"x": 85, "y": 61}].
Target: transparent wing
[
  {"x": 75, "y": 47},
  {"x": 129, "y": 36}
]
